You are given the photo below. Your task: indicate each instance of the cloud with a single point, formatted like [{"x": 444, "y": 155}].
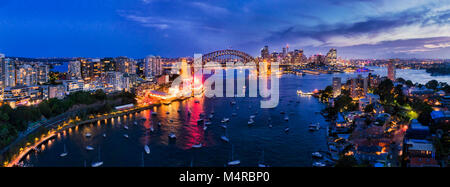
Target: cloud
[
  {"x": 210, "y": 9},
  {"x": 410, "y": 24},
  {"x": 440, "y": 45}
]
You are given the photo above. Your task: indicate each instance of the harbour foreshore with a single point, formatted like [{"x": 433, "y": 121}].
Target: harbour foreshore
[{"x": 67, "y": 124}]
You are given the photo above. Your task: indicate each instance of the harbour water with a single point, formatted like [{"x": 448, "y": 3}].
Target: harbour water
[{"x": 292, "y": 148}]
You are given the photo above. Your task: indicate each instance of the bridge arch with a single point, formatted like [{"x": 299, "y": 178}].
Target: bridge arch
[{"x": 227, "y": 55}]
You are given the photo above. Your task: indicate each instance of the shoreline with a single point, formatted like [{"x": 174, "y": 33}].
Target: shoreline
[{"x": 52, "y": 132}]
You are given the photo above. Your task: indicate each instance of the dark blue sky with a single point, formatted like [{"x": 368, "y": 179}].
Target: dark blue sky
[{"x": 170, "y": 28}]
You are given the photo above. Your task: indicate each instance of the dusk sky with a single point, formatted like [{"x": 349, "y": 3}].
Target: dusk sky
[{"x": 172, "y": 28}]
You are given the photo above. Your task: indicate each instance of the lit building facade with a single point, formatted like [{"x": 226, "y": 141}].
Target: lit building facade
[
  {"x": 336, "y": 86},
  {"x": 74, "y": 70}
]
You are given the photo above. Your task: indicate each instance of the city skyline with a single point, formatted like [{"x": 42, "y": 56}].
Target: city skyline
[{"x": 357, "y": 28}]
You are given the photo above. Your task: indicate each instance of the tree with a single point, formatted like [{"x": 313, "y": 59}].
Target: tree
[
  {"x": 409, "y": 83},
  {"x": 385, "y": 91},
  {"x": 401, "y": 80},
  {"x": 327, "y": 93},
  {"x": 100, "y": 95},
  {"x": 433, "y": 84}
]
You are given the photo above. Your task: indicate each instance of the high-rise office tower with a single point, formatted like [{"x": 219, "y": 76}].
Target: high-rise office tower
[
  {"x": 2, "y": 72},
  {"x": 10, "y": 73},
  {"x": 74, "y": 70},
  {"x": 125, "y": 65},
  {"x": 265, "y": 52},
  {"x": 331, "y": 57},
  {"x": 353, "y": 88},
  {"x": 366, "y": 84},
  {"x": 336, "y": 86},
  {"x": 26, "y": 75},
  {"x": 42, "y": 72},
  {"x": 153, "y": 66},
  {"x": 391, "y": 70}
]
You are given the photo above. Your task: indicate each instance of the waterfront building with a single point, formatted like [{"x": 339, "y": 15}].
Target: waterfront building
[
  {"x": 56, "y": 91},
  {"x": 97, "y": 69},
  {"x": 26, "y": 75},
  {"x": 16, "y": 96},
  {"x": 86, "y": 69},
  {"x": 391, "y": 70},
  {"x": 9, "y": 70},
  {"x": 71, "y": 86},
  {"x": 74, "y": 70},
  {"x": 336, "y": 86},
  {"x": 117, "y": 81},
  {"x": 2, "y": 73},
  {"x": 42, "y": 71},
  {"x": 125, "y": 65},
  {"x": 153, "y": 66}
]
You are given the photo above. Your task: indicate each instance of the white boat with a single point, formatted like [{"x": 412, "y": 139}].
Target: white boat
[
  {"x": 270, "y": 125},
  {"x": 286, "y": 129},
  {"x": 319, "y": 164},
  {"x": 99, "y": 162},
  {"x": 147, "y": 149},
  {"x": 314, "y": 127},
  {"x": 88, "y": 134},
  {"x": 286, "y": 118},
  {"x": 250, "y": 122},
  {"x": 104, "y": 135},
  {"x": 172, "y": 135},
  {"x": 225, "y": 120},
  {"x": 205, "y": 127},
  {"x": 135, "y": 123},
  {"x": 159, "y": 124},
  {"x": 125, "y": 127},
  {"x": 233, "y": 102},
  {"x": 233, "y": 162},
  {"x": 208, "y": 123},
  {"x": 210, "y": 116},
  {"x": 316, "y": 155},
  {"x": 152, "y": 129},
  {"x": 233, "y": 114},
  {"x": 197, "y": 145},
  {"x": 223, "y": 126},
  {"x": 252, "y": 116},
  {"x": 224, "y": 138},
  {"x": 89, "y": 148},
  {"x": 63, "y": 154},
  {"x": 262, "y": 164},
  {"x": 125, "y": 135}
]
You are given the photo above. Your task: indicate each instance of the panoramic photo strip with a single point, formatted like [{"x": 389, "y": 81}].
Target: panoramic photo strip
[{"x": 247, "y": 86}]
